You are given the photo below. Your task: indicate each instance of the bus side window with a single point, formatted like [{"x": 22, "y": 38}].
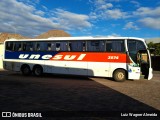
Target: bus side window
[
  {"x": 30, "y": 46},
  {"x": 17, "y": 46},
  {"x": 53, "y": 46},
  {"x": 9, "y": 46},
  {"x": 27, "y": 46},
  {"x": 42, "y": 46},
  {"x": 61, "y": 46},
  {"x": 38, "y": 47},
  {"x": 95, "y": 46},
  {"x": 58, "y": 47},
  {"x": 49, "y": 46},
  {"x": 69, "y": 46},
  {"x": 77, "y": 46},
  {"x": 33, "y": 46},
  {"x": 115, "y": 46},
  {"x": 84, "y": 46},
  {"x": 108, "y": 46},
  {"x": 24, "y": 46}
]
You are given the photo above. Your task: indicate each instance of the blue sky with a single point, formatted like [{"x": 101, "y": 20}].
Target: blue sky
[{"x": 136, "y": 18}]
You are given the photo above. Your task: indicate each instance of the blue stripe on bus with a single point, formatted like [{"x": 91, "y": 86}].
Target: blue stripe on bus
[{"x": 15, "y": 55}]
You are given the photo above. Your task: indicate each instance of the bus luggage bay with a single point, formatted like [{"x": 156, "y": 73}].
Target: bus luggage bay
[{"x": 118, "y": 57}]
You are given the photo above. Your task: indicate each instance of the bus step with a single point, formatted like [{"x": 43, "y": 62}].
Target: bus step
[{"x": 142, "y": 76}]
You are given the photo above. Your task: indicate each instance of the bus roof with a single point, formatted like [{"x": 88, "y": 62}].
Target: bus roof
[{"x": 77, "y": 38}]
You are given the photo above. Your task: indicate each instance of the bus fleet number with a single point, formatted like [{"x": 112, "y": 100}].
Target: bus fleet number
[{"x": 113, "y": 57}]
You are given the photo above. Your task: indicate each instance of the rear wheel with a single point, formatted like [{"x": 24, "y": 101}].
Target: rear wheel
[
  {"x": 25, "y": 70},
  {"x": 119, "y": 75},
  {"x": 37, "y": 70}
]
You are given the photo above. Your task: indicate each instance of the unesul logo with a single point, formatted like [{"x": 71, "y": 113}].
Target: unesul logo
[{"x": 51, "y": 57}]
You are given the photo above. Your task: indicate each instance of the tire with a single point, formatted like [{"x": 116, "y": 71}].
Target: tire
[
  {"x": 37, "y": 70},
  {"x": 119, "y": 75},
  {"x": 26, "y": 70}
]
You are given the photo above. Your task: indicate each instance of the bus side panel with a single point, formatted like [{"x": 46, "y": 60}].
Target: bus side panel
[
  {"x": 66, "y": 67},
  {"x": 12, "y": 65},
  {"x": 98, "y": 69},
  {"x": 77, "y": 68},
  {"x": 114, "y": 66}
]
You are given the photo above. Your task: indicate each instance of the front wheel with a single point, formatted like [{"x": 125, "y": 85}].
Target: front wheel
[
  {"x": 119, "y": 75},
  {"x": 38, "y": 70}
]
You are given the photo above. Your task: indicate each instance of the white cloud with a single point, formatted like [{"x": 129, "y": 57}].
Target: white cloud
[
  {"x": 29, "y": 2},
  {"x": 151, "y": 22},
  {"x": 29, "y": 21},
  {"x": 100, "y": 2},
  {"x": 23, "y": 18},
  {"x": 115, "y": 14},
  {"x": 103, "y": 9},
  {"x": 131, "y": 25},
  {"x": 71, "y": 20},
  {"x": 106, "y": 6},
  {"x": 148, "y": 17},
  {"x": 137, "y": 4},
  {"x": 101, "y": 5},
  {"x": 39, "y": 12},
  {"x": 146, "y": 11},
  {"x": 114, "y": 35}
]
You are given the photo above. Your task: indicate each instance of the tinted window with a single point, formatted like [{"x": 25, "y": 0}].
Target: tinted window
[
  {"x": 61, "y": 46},
  {"x": 41, "y": 46},
  {"x": 30, "y": 46},
  {"x": 77, "y": 46},
  {"x": 17, "y": 46},
  {"x": 95, "y": 45},
  {"x": 115, "y": 46},
  {"x": 133, "y": 47},
  {"x": 9, "y": 46}
]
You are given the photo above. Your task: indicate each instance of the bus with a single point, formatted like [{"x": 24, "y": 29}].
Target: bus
[{"x": 120, "y": 58}]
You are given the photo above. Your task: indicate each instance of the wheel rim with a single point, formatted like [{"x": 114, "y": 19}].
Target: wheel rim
[
  {"x": 120, "y": 76},
  {"x": 26, "y": 70},
  {"x": 37, "y": 71}
]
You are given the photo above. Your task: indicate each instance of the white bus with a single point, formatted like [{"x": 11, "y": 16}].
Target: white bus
[{"x": 117, "y": 57}]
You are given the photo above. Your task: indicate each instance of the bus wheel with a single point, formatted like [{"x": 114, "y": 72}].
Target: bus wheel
[
  {"x": 119, "y": 75},
  {"x": 38, "y": 70},
  {"x": 25, "y": 70}
]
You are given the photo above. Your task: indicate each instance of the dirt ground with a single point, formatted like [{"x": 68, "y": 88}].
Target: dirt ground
[{"x": 59, "y": 94}]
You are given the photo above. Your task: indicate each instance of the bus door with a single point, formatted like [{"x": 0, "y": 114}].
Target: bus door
[
  {"x": 144, "y": 63},
  {"x": 141, "y": 60}
]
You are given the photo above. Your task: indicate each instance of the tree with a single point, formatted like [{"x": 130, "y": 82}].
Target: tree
[
  {"x": 151, "y": 45},
  {"x": 156, "y": 46}
]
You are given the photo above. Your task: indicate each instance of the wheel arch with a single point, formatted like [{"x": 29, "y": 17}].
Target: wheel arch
[
  {"x": 25, "y": 69},
  {"x": 24, "y": 65},
  {"x": 37, "y": 65},
  {"x": 120, "y": 69}
]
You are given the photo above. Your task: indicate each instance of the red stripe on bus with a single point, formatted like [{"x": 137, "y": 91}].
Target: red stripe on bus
[{"x": 92, "y": 57}]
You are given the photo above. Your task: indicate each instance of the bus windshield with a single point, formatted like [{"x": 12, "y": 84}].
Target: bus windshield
[{"x": 133, "y": 47}]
